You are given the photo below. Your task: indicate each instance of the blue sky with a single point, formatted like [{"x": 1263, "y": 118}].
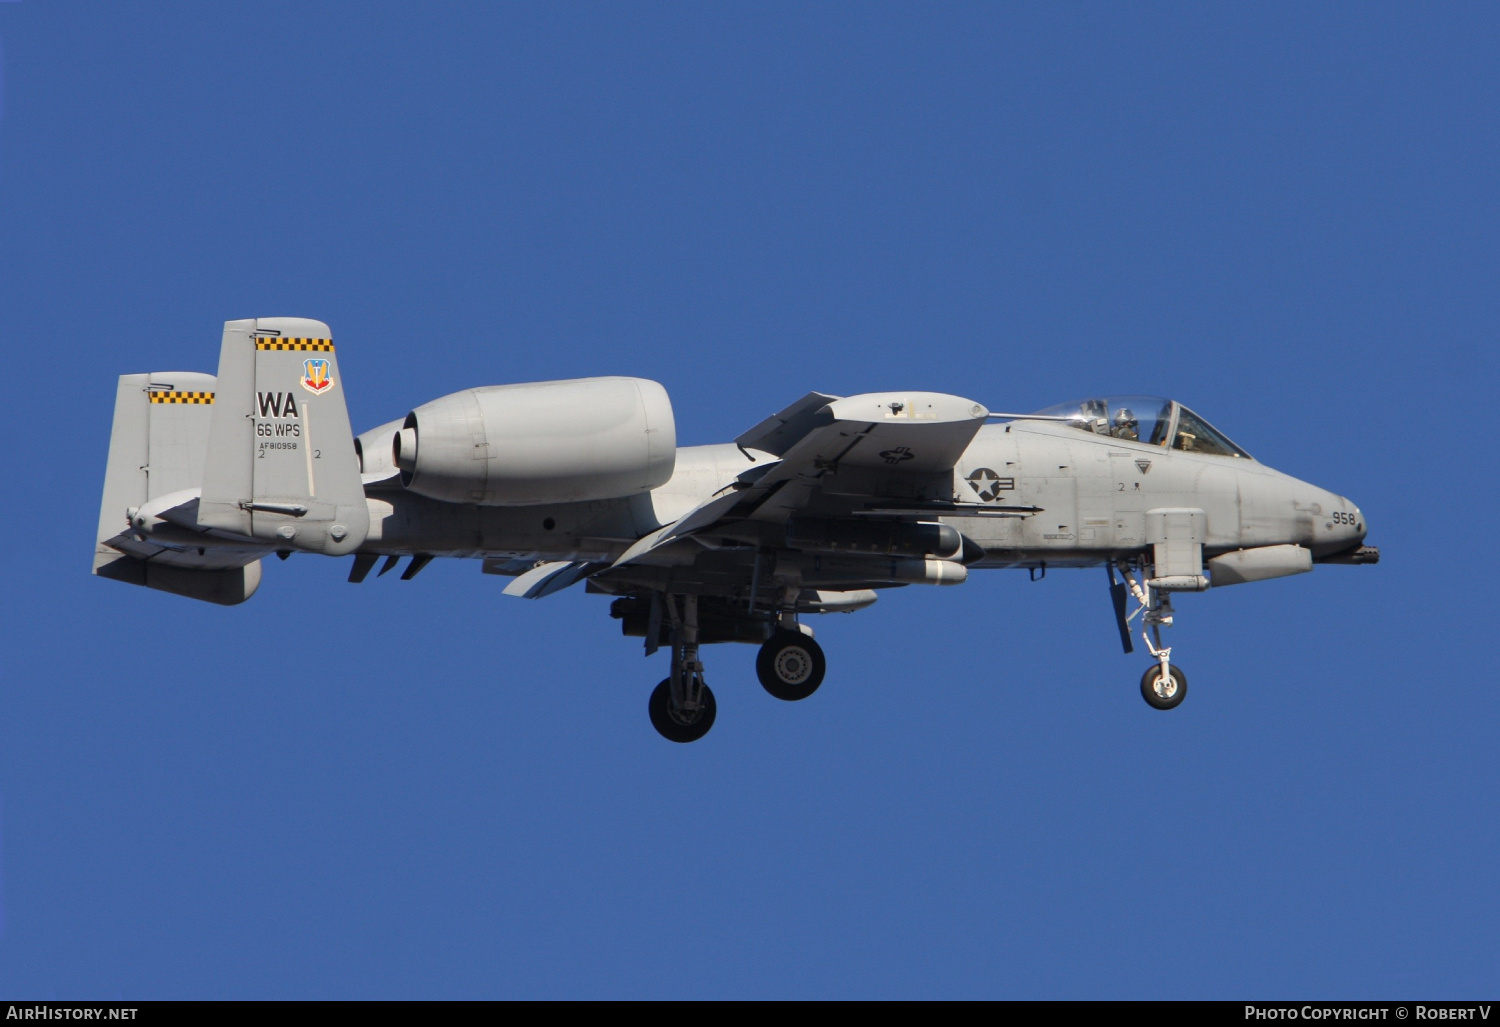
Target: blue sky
[{"x": 1282, "y": 214}]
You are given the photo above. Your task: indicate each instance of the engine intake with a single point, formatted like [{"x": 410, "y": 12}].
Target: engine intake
[{"x": 542, "y": 442}]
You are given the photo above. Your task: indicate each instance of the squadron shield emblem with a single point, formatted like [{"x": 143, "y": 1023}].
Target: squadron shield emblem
[{"x": 316, "y": 376}]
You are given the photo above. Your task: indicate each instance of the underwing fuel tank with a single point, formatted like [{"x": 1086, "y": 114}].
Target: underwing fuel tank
[{"x": 544, "y": 442}]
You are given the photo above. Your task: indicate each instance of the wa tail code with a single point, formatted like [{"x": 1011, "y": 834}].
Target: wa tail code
[{"x": 276, "y": 404}]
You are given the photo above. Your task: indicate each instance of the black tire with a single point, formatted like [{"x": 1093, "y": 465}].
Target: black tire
[
  {"x": 671, "y": 727},
  {"x": 790, "y": 665},
  {"x": 1166, "y": 698}
]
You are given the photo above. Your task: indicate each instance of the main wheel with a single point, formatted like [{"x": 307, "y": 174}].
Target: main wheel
[
  {"x": 790, "y": 665},
  {"x": 1163, "y": 694},
  {"x": 676, "y": 727}
]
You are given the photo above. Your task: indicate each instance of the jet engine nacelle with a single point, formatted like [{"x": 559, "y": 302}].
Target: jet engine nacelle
[{"x": 543, "y": 442}]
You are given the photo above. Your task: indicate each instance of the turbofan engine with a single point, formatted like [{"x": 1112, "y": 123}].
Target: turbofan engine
[{"x": 543, "y": 442}]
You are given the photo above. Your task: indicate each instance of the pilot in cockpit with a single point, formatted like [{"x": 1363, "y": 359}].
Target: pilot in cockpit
[{"x": 1126, "y": 426}]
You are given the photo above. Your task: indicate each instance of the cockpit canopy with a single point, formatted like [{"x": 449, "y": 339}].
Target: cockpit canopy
[{"x": 1148, "y": 419}]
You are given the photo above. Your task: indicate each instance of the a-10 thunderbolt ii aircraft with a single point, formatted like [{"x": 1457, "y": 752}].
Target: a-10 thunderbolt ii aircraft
[{"x": 813, "y": 510}]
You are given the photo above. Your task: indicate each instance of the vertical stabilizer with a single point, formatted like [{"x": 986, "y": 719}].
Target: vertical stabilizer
[
  {"x": 125, "y": 474},
  {"x": 156, "y": 444},
  {"x": 281, "y": 465},
  {"x": 156, "y": 461}
]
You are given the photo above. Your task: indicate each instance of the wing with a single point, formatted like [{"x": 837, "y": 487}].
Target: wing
[
  {"x": 877, "y": 455},
  {"x": 546, "y": 578}
]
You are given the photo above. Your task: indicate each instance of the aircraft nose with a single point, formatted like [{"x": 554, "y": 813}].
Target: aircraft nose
[{"x": 1345, "y": 520}]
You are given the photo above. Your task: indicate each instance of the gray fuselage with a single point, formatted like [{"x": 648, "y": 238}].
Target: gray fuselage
[{"x": 1091, "y": 495}]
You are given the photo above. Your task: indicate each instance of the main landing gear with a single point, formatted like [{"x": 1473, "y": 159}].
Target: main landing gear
[
  {"x": 790, "y": 665},
  {"x": 682, "y": 707},
  {"x": 1164, "y": 685},
  {"x": 684, "y": 721}
]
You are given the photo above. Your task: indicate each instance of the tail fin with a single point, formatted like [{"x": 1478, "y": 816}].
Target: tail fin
[
  {"x": 156, "y": 452},
  {"x": 281, "y": 466}
]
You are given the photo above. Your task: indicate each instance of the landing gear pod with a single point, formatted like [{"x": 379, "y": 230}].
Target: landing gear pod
[{"x": 1259, "y": 564}]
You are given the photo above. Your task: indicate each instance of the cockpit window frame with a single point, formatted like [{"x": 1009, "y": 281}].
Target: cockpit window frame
[
  {"x": 1226, "y": 447},
  {"x": 1237, "y": 452},
  {"x": 1172, "y": 428},
  {"x": 1092, "y": 416},
  {"x": 1166, "y": 442}
]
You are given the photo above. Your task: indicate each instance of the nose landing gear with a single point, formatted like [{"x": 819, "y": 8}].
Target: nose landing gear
[{"x": 1163, "y": 686}]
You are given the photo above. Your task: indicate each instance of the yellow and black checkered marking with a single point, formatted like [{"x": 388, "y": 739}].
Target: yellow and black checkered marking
[
  {"x": 321, "y": 345},
  {"x": 182, "y": 397}
]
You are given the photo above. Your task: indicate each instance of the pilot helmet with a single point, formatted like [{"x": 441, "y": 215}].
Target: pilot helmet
[{"x": 1125, "y": 419}]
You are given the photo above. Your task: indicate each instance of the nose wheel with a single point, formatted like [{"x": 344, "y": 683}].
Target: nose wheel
[{"x": 1164, "y": 691}]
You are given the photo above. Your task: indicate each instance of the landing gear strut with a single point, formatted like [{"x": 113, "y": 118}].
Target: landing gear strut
[
  {"x": 682, "y": 708},
  {"x": 1164, "y": 685}
]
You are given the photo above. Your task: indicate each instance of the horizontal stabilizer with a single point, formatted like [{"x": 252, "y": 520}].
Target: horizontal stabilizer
[{"x": 228, "y": 586}]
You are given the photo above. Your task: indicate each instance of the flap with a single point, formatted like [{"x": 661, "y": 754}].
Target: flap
[
  {"x": 547, "y": 578},
  {"x": 701, "y": 516}
]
